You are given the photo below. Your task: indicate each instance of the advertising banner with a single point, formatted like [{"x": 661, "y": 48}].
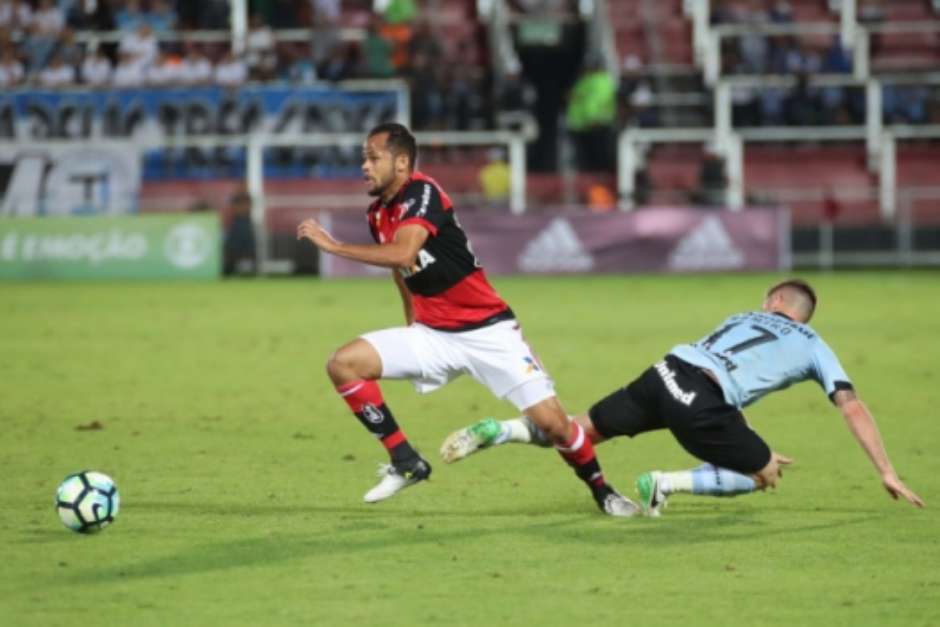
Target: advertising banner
[
  {"x": 157, "y": 247},
  {"x": 570, "y": 242},
  {"x": 69, "y": 179}
]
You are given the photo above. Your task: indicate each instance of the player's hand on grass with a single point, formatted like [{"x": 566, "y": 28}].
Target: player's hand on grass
[
  {"x": 773, "y": 471},
  {"x": 782, "y": 460},
  {"x": 312, "y": 230},
  {"x": 896, "y": 488}
]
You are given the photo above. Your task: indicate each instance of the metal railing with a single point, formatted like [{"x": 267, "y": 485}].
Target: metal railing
[
  {"x": 256, "y": 143},
  {"x": 634, "y": 143}
]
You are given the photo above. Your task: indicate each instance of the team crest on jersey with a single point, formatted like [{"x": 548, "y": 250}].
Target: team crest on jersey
[{"x": 531, "y": 365}]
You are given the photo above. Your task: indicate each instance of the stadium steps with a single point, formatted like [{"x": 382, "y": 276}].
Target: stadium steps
[
  {"x": 918, "y": 169},
  {"x": 774, "y": 172}
]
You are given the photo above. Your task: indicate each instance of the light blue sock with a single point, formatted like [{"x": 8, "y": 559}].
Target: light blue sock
[{"x": 715, "y": 481}]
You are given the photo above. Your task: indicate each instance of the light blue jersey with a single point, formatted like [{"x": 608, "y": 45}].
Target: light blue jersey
[{"x": 756, "y": 353}]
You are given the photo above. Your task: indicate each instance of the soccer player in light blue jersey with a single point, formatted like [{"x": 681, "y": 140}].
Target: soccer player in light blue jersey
[{"x": 697, "y": 392}]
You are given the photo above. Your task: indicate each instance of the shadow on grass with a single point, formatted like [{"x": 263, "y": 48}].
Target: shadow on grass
[
  {"x": 359, "y": 510},
  {"x": 696, "y": 525}
]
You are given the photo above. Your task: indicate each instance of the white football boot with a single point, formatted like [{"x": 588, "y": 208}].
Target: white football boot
[
  {"x": 615, "y": 504},
  {"x": 395, "y": 479}
]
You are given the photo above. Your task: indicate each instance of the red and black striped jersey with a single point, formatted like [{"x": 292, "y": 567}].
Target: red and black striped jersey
[{"x": 448, "y": 287}]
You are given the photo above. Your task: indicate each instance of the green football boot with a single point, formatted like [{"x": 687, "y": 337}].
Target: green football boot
[{"x": 469, "y": 440}]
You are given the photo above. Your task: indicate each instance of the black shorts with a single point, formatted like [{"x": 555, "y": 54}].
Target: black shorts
[{"x": 678, "y": 396}]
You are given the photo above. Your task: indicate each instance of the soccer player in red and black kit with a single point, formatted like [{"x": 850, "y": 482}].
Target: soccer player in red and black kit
[{"x": 456, "y": 322}]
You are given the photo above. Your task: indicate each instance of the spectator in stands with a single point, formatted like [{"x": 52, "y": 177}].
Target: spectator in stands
[
  {"x": 203, "y": 14},
  {"x": 44, "y": 30},
  {"x": 833, "y": 99},
  {"x": 746, "y": 105},
  {"x": 341, "y": 64},
  {"x": 56, "y": 74},
  {"x": 161, "y": 17},
  {"x": 96, "y": 68},
  {"x": 94, "y": 16},
  {"x": 790, "y": 58},
  {"x": 712, "y": 180},
  {"x": 165, "y": 71},
  {"x": 377, "y": 52},
  {"x": 836, "y": 59},
  {"x": 514, "y": 92},
  {"x": 280, "y": 13},
  {"x": 771, "y": 106},
  {"x": 464, "y": 102},
  {"x": 427, "y": 94},
  {"x": 129, "y": 72},
  {"x": 905, "y": 104},
  {"x": 298, "y": 67},
  {"x": 397, "y": 18},
  {"x": 129, "y": 16},
  {"x": 933, "y": 106},
  {"x": 140, "y": 44},
  {"x": 325, "y": 10},
  {"x": 260, "y": 56},
  {"x": 16, "y": 16},
  {"x": 424, "y": 40},
  {"x": 11, "y": 70},
  {"x": 231, "y": 71},
  {"x": 802, "y": 104},
  {"x": 780, "y": 11},
  {"x": 496, "y": 179},
  {"x": 591, "y": 116},
  {"x": 69, "y": 49},
  {"x": 721, "y": 13},
  {"x": 397, "y": 11},
  {"x": 635, "y": 95},
  {"x": 195, "y": 68},
  {"x": 325, "y": 40},
  {"x": 642, "y": 187},
  {"x": 753, "y": 46},
  {"x": 239, "y": 251}
]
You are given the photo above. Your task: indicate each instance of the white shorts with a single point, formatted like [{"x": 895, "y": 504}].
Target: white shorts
[{"x": 497, "y": 356}]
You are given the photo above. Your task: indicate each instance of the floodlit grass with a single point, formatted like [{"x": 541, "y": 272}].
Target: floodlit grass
[{"x": 241, "y": 473}]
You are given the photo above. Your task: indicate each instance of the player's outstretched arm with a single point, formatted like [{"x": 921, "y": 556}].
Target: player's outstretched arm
[
  {"x": 862, "y": 425},
  {"x": 401, "y": 252}
]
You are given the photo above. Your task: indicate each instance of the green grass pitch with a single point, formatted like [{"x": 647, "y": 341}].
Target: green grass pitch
[{"x": 242, "y": 473}]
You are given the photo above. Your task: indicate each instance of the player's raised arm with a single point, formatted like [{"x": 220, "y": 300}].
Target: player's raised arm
[
  {"x": 862, "y": 425},
  {"x": 401, "y": 252}
]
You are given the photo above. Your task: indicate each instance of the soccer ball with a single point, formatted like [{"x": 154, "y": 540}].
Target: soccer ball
[{"x": 87, "y": 501}]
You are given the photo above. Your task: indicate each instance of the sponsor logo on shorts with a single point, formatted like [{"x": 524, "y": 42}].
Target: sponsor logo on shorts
[
  {"x": 669, "y": 379},
  {"x": 372, "y": 414},
  {"x": 531, "y": 365}
]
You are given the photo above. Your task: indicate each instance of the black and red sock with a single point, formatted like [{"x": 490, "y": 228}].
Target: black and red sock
[
  {"x": 365, "y": 400},
  {"x": 578, "y": 452}
]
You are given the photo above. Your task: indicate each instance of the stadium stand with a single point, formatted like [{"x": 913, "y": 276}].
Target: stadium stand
[{"x": 791, "y": 59}]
